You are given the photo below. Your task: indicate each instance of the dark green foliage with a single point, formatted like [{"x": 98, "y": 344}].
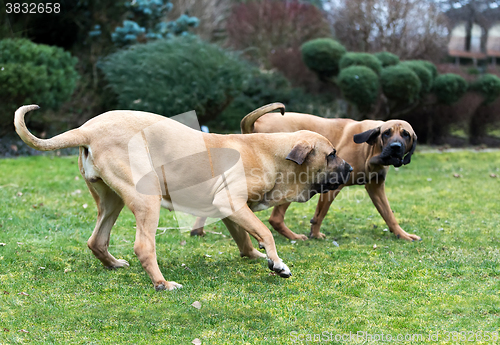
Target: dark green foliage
[
  {"x": 488, "y": 85},
  {"x": 33, "y": 73},
  {"x": 449, "y": 88},
  {"x": 322, "y": 55},
  {"x": 430, "y": 66},
  {"x": 387, "y": 59},
  {"x": 361, "y": 59},
  {"x": 360, "y": 85},
  {"x": 264, "y": 88},
  {"x": 170, "y": 77},
  {"x": 422, "y": 72},
  {"x": 400, "y": 84}
]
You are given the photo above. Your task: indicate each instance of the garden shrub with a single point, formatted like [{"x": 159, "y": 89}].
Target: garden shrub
[
  {"x": 269, "y": 87},
  {"x": 449, "y": 88},
  {"x": 33, "y": 73},
  {"x": 387, "y": 59},
  {"x": 170, "y": 77},
  {"x": 361, "y": 59},
  {"x": 360, "y": 85},
  {"x": 399, "y": 83},
  {"x": 487, "y": 85},
  {"x": 322, "y": 55},
  {"x": 422, "y": 72}
]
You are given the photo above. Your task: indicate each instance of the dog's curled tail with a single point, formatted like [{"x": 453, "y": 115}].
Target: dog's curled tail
[
  {"x": 247, "y": 122},
  {"x": 70, "y": 138}
]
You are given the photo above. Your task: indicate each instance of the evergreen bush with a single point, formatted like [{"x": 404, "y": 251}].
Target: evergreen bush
[
  {"x": 322, "y": 55},
  {"x": 400, "y": 83},
  {"x": 360, "y": 85},
  {"x": 449, "y": 88},
  {"x": 361, "y": 59},
  {"x": 488, "y": 85},
  {"x": 387, "y": 59},
  {"x": 33, "y": 73},
  {"x": 170, "y": 77}
]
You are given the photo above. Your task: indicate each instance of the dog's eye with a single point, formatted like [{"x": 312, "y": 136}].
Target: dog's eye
[
  {"x": 406, "y": 134},
  {"x": 332, "y": 154},
  {"x": 387, "y": 133}
]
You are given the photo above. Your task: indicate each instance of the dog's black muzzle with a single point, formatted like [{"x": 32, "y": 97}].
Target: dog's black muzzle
[
  {"x": 393, "y": 153},
  {"x": 333, "y": 181}
]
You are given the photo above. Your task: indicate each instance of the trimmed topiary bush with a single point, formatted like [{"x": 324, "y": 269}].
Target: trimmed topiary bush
[
  {"x": 361, "y": 59},
  {"x": 170, "y": 77},
  {"x": 449, "y": 88},
  {"x": 488, "y": 85},
  {"x": 400, "y": 83},
  {"x": 430, "y": 67},
  {"x": 387, "y": 59},
  {"x": 322, "y": 55},
  {"x": 360, "y": 85},
  {"x": 422, "y": 73},
  {"x": 33, "y": 73}
]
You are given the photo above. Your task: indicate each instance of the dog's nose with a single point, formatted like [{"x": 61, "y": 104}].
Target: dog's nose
[{"x": 395, "y": 145}]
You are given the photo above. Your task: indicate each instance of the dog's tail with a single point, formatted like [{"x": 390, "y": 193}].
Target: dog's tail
[
  {"x": 70, "y": 138},
  {"x": 247, "y": 122}
]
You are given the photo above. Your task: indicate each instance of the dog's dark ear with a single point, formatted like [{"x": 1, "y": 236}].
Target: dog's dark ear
[
  {"x": 407, "y": 158},
  {"x": 369, "y": 137},
  {"x": 299, "y": 152}
]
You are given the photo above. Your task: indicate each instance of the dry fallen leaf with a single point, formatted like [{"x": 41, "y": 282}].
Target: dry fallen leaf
[
  {"x": 85, "y": 205},
  {"x": 196, "y": 341},
  {"x": 374, "y": 246},
  {"x": 67, "y": 270},
  {"x": 457, "y": 175},
  {"x": 493, "y": 175},
  {"x": 196, "y": 304},
  {"x": 183, "y": 243},
  {"x": 23, "y": 331},
  {"x": 23, "y": 293}
]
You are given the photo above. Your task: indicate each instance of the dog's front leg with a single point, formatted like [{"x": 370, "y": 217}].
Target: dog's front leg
[
  {"x": 324, "y": 202},
  {"x": 277, "y": 221},
  {"x": 247, "y": 220},
  {"x": 376, "y": 191}
]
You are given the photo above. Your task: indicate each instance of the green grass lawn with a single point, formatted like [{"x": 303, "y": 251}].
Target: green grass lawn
[{"x": 54, "y": 288}]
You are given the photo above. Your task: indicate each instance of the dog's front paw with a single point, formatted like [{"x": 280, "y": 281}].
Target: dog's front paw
[
  {"x": 319, "y": 235},
  {"x": 118, "y": 263},
  {"x": 279, "y": 267},
  {"x": 164, "y": 285}
]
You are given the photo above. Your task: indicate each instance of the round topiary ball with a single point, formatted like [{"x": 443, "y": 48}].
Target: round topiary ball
[
  {"x": 488, "y": 85},
  {"x": 387, "y": 59},
  {"x": 322, "y": 55},
  {"x": 449, "y": 88},
  {"x": 361, "y": 59},
  {"x": 360, "y": 86},
  {"x": 400, "y": 83},
  {"x": 422, "y": 72}
]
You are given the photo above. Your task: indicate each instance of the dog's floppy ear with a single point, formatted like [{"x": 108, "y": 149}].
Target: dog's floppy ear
[
  {"x": 407, "y": 158},
  {"x": 369, "y": 136},
  {"x": 299, "y": 152}
]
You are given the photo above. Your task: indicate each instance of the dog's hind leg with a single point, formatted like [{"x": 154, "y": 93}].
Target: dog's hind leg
[
  {"x": 277, "y": 221},
  {"x": 109, "y": 205}
]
